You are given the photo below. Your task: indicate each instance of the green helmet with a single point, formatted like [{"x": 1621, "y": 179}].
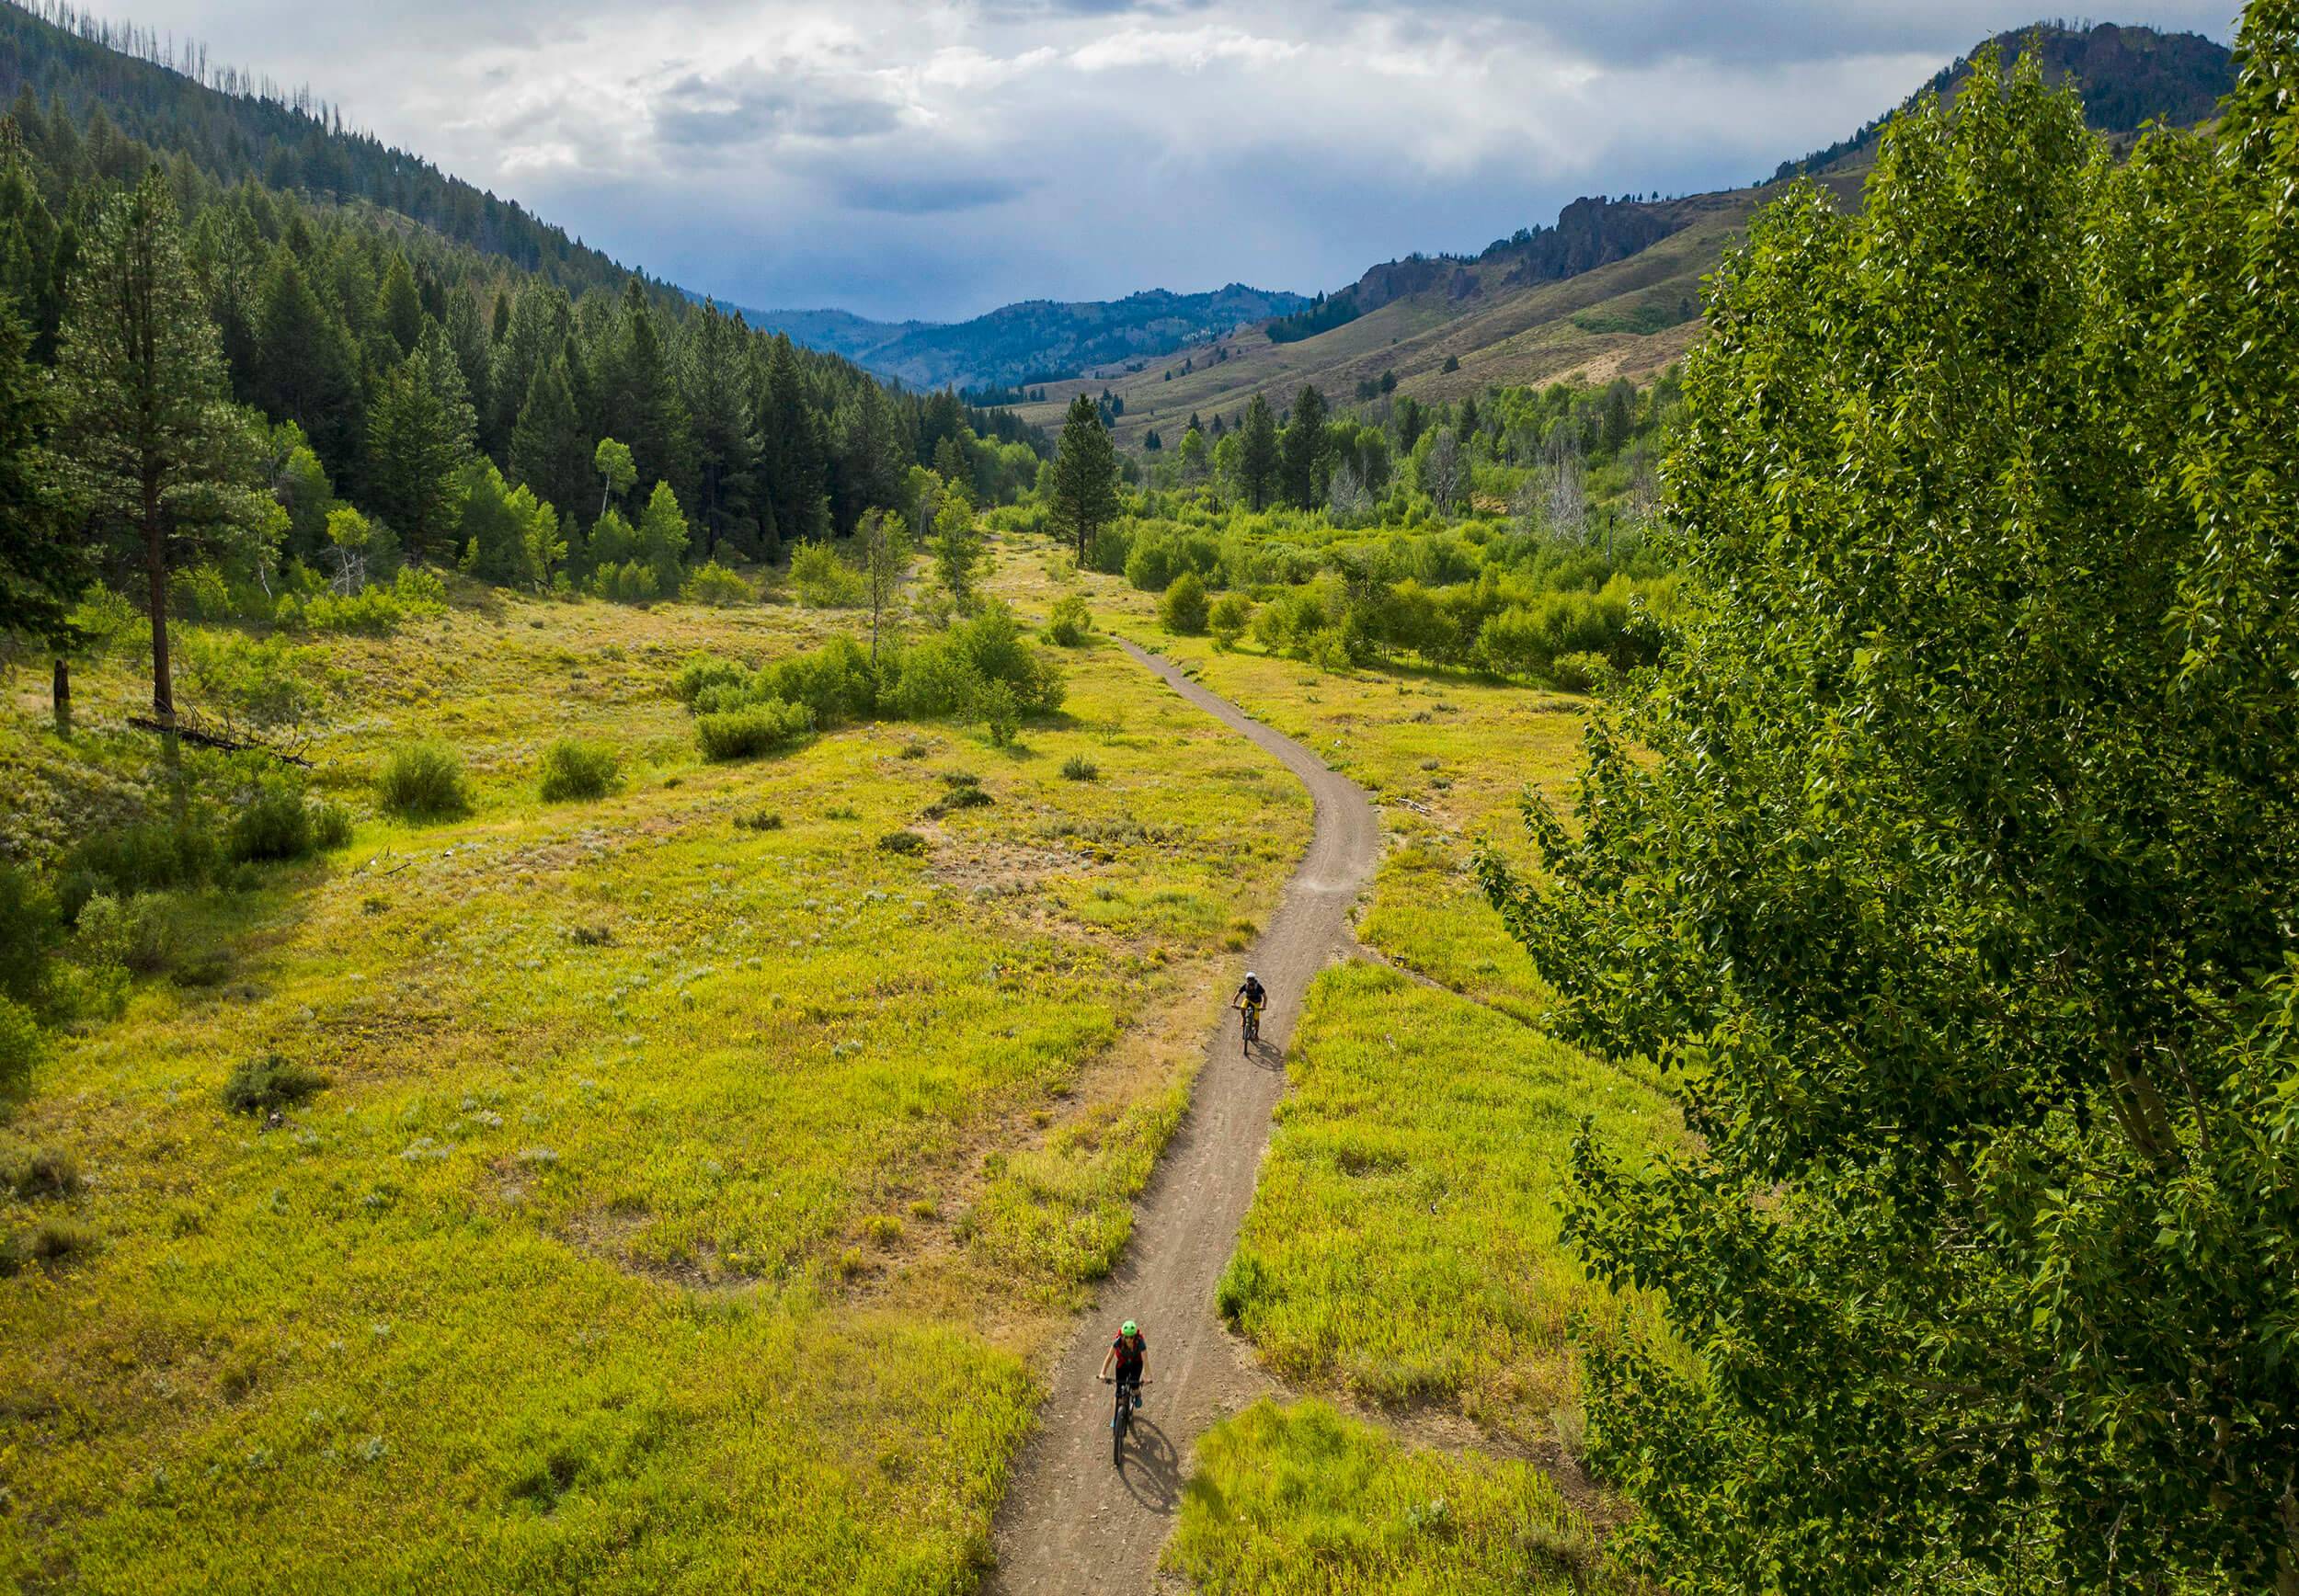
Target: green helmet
[{"x": 1127, "y": 1328}]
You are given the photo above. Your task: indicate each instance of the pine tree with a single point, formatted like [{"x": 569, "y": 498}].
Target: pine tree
[
  {"x": 1304, "y": 456},
  {"x": 535, "y": 331},
  {"x": 547, "y": 449},
  {"x": 150, "y": 442},
  {"x": 871, "y": 464},
  {"x": 43, "y": 565},
  {"x": 306, "y": 371},
  {"x": 639, "y": 398},
  {"x": 719, "y": 405},
  {"x": 1257, "y": 456},
  {"x": 420, "y": 436},
  {"x": 1084, "y": 477},
  {"x": 792, "y": 466},
  {"x": 398, "y": 307}
]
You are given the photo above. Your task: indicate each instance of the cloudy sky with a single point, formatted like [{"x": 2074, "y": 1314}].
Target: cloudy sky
[{"x": 940, "y": 159}]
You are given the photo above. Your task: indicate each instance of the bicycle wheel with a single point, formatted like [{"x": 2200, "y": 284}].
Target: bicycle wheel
[{"x": 1119, "y": 1419}]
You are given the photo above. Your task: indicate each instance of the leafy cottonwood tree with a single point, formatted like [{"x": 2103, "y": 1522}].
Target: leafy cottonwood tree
[
  {"x": 1084, "y": 471},
  {"x": 150, "y": 444},
  {"x": 884, "y": 544},
  {"x": 1950, "y": 871},
  {"x": 957, "y": 546}
]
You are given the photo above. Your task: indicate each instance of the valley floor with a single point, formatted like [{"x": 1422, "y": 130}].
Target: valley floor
[{"x": 701, "y": 1190}]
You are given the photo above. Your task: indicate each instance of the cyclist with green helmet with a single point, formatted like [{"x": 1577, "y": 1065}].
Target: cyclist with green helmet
[{"x": 1128, "y": 1360}]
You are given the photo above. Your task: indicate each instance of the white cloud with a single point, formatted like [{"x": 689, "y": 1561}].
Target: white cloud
[{"x": 942, "y": 158}]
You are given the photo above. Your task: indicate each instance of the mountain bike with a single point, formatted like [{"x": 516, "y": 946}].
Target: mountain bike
[
  {"x": 1122, "y": 1417},
  {"x": 1249, "y": 1028}
]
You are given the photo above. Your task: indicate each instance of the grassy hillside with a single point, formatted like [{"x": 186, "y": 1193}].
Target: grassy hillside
[{"x": 1618, "y": 294}]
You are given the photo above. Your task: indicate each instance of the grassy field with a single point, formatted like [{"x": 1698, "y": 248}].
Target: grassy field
[
  {"x": 1402, "y": 1244},
  {"x": 1402, "y": 1249},
  {"x": 689, "y": 1201},
  {"x": 1302, "y": 1501}
]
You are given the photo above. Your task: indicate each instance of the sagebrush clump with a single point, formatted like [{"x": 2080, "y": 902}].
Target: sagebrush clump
[
  {"x": 574, "y": 768},
  {"x": 271, "y": 1083},
  {"x": 423, "y": 782}
]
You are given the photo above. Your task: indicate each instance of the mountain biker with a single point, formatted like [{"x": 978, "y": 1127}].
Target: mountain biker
[
  {"x": 1251, "y": 995},
  {"x": 1128, "y": 1358}
]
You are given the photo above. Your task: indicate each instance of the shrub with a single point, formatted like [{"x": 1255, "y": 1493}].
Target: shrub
[
  {"x": 706, "y": 671},
  {"x": 822, "y": 580},
  {"x": 34, "y": 1173},
  {"x": 1072, "y": 622},
  {"x": 371, "y": 610},
  {"x": 331, "y": 825},
  {"x": 21, "y": 1047},
  {"x": 125, "y": 934},
  {"x": 1182, "y": 609},
  {"x": 261, "y": 1085},
  {"x": 27, "y": 931},
  {"x": 1152, "y": 566},
  {"x": 625, "y": 582},
  {"x": 1078, "y": 768},
  {"x": 572, "y": 768},
  {"x": 714, "y": 583},
  {"x": 57, "y": 1240},
  {"x": 758, "y": 728},
  {"x": 760, "y": 820},
  {"x": 1580, "y": 672},
  {"x": 149, "y": 856},
  {"x": 423, "y": 782},
  {"x": 1227, "y": 619},
  {"x": 903, "y": 842},
  {"x": 836, "y": 683},
  {"x": 1001, "y": 712},
  {"x": 273, "y": 821}
]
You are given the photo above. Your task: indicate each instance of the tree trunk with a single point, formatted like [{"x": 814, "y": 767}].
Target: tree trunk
[
  {"x": 63, "y": 695},
  {"x": 155, "y": 567}
]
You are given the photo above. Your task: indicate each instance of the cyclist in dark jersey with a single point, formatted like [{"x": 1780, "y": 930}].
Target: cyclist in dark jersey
[
  {"x": 1128, "y": 1360},
  {"x": 1251, "y": 994}
]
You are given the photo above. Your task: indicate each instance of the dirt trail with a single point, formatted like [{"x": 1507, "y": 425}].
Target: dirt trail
[{"x": 1071, "y": 1521}]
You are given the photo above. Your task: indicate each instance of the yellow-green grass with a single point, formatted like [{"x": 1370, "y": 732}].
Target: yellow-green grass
[
  {"x": 690, "y": 1203},
  {"x": 1449, "y": 758},
  {"x": 1402, "y": 1245},
  {"x": 1300, "y": 1501}
]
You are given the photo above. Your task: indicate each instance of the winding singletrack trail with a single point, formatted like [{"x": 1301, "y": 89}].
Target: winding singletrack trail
[{"x": 1071, "y": 1521}]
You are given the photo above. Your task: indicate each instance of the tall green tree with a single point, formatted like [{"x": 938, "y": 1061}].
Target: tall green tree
[
  {"x": 714, "y": 382},
  {"x": 548, "y": 449},
  {"x": 150, "y": 443},
  {"x": 1083, "y": 479},
  {"x": 1257, "y": 455},
  {"x": 399, "y": 307},
  {"x": 1304, "y": 456},
  {"x": 663, "y": 537},
  {"x": 884, "y": 542},
  {"x": 43, "y": 564},
  {"x": 638, "y": 393},
  {"x": 1950, "y": 871},
  {"x": 306, "y": 369},
  {"x": 872, "y": 465},
  {"x": 957, "y": 547},
  {"x": 792, "y": 466},
  {"x": 420, "y": 435}
]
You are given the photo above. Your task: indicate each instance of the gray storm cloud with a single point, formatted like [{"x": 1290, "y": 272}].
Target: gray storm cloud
[{"x": 939, "y": 159}]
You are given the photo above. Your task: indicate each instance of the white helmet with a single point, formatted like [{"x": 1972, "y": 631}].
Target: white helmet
[{"x": 1251, "y": 976}]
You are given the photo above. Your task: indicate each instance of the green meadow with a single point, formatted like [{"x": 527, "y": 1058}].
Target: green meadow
[{"x": 693, "y": 1181}]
